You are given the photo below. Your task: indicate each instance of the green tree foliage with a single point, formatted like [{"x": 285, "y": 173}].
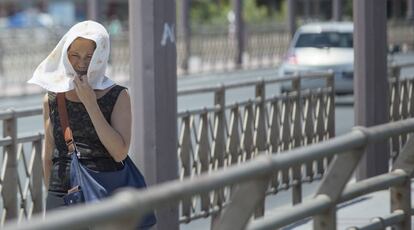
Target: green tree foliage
[
  {"x": 253, "y": 13},
  {"x": 216, "y": 12},
  {"x": 209, "y": 12}
]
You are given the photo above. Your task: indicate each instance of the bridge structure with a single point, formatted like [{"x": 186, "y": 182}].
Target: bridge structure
[{"x": 231, "y": 156}]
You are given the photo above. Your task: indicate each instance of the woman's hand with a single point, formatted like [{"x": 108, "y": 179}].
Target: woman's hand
[{"x": 84, "y": 91}]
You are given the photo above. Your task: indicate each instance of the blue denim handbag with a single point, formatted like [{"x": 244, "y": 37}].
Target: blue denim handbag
[
  {"x": 93, "y": 186},
  {"x": 90, "y": 186}
]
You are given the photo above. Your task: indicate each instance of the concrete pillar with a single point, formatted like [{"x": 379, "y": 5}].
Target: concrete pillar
[
  {"x": 370, "y": 80},
  {"x": 154, "y": 95}
]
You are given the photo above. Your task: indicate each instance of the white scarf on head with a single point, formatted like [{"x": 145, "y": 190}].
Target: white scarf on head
[{"x": 56, "y": 74}]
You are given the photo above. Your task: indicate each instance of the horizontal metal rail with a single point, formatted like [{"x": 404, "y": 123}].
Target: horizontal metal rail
[
  {"x": 209, "y": 89},
  {"x": 382, "y": 222},
  {"x": 291, "y": 215},
  {"x": 30, "y": 138},
  {"x": 199, "y": 111},
  {"x": 317, "y": 205},
  {"x": 373, "y": 184},
  {"x": 27, "y": 112},
  {"x": 6, "y": 141}
]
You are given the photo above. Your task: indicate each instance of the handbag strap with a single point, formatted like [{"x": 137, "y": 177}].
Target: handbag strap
[{"x": 64, "y": 122}]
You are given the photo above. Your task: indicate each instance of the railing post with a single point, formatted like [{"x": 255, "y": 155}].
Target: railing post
[
  {"x": 330, "y": 83},
  {"x": 333, "y": 184},
  {"x": 395, "y": 108},
  {"x": 260, "y": 133},
  {"x": 219, "y": 148},
  {"x": 246, "y": 197},
  {"x": 401, "y": 200},
  {"x": 401, "y": 194},
  {"x": 37, "y": 176},
  {"x": 297, "y": 141},
  {"x": 10, "y": 190}
]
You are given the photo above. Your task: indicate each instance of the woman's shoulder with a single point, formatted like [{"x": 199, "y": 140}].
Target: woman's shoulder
[
  {"x": 116, "y": 90},
  {"x": 50, "y": 96}
]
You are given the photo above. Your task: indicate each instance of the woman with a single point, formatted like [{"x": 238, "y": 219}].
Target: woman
[{"x": 99, "y": 111}]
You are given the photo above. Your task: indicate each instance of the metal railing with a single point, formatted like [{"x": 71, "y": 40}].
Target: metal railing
[
  {"x": 210, "y": 138},
  {"x": 21, "y": 177},
  {"x": 213, "y": 138},
  {"x": 227, "y": 134},
  {"x": 401, "y": 101},
  {"x": 251, "y": 179}
]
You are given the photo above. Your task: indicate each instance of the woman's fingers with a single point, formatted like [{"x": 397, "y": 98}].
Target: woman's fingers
[{"x": 76, "y": 80}]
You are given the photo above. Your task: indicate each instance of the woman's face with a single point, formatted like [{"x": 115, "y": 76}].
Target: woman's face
[{"x": 80, "y": 54}]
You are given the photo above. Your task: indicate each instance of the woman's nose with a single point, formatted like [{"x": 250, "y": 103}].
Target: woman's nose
[{"x": 84, "y": 63}]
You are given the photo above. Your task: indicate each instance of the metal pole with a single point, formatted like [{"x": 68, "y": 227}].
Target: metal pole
[
  {"x": 186, "y": 33},
  {"x": 337, "y": 10},
  {"x": 154, "y": 95},
  {"x": 306, "y": 9},
  {"x": 291, "y": 17},
  {"x": 238, "y": 11},
  {"x": 316, "y": 8},
  {"x": 370, "y": 81},
  {"x": 92, "y": 10},
  {"x": 410, "y": 9},
  {"x": 396, "y": 9}
]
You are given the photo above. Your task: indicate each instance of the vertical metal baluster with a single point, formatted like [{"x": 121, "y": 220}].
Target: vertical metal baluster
[
  {"x": 184, "y": 153},
  {"x": 203, "y": 153},
  {"x": 218, "y": 149},
  {"x": 37, "y": 175},
  {"x": 297, "y": 141},
  {"x": 260, "y": 134}
]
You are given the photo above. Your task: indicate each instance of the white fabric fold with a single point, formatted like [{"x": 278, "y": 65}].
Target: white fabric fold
[{"x": 56, "y": 74}]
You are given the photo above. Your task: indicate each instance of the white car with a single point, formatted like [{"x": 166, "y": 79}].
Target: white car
[{"x": 319, "y": 47}]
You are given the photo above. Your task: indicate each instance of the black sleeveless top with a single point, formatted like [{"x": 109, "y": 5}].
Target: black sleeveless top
[{"x": 93, "y": 153}]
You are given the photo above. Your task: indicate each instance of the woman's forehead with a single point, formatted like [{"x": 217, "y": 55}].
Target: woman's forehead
[{"x": 82, "y": 44}]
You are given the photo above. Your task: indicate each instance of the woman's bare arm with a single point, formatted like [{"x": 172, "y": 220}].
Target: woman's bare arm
[
  {"x": 115, "y": 137},
  {"x": 49, "y": 143}
]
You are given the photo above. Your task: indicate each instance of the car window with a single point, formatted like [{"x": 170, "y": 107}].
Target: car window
[{"x": 325, "y": 39}]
